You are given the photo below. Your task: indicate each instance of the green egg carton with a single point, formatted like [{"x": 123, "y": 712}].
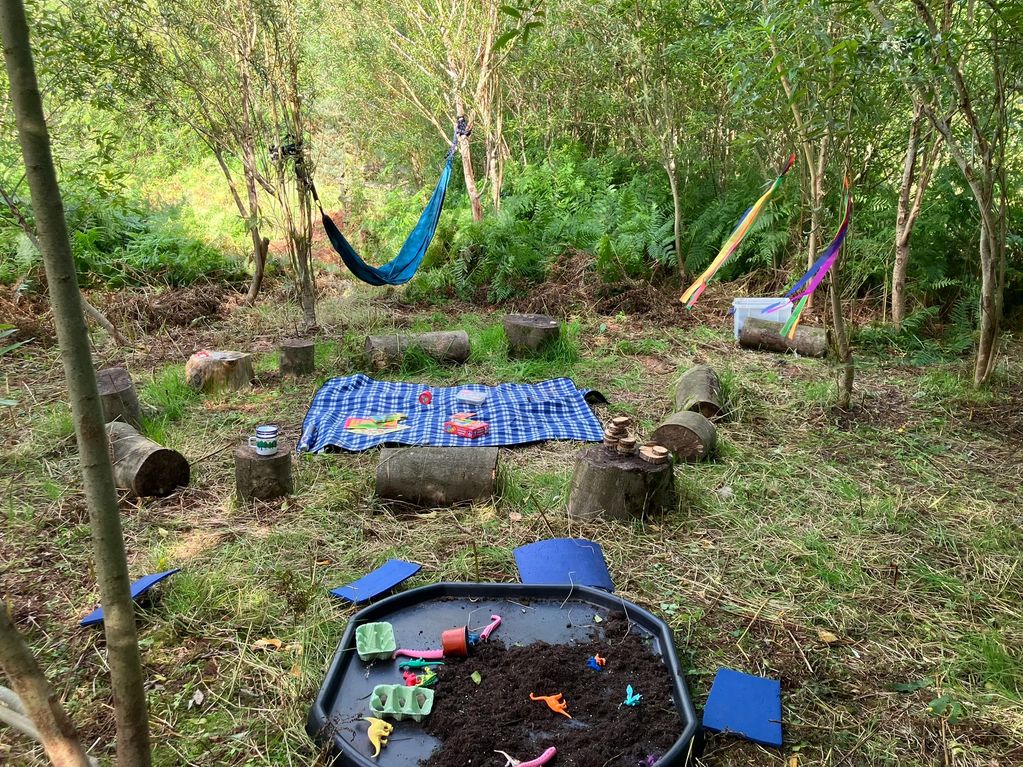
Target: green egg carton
[
  {"x": 375, "y": 641},
  {"x": 401, "y": 702}
]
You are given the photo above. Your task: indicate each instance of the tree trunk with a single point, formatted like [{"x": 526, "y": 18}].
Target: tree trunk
[
  {"x": 214, "y": 371},
  {"x": 465, "y": 150},
  {"x": 530, "y": 334},
  {"x": 990, "y": 289},
  {"x": 909, "y": 208},
  {"x": 53, "y": 728},
  {"x": 263, "y": 477},
  {"x": 845, "y": 357},
  {"x": 764, "y": 334},
  {"x": 688, "y": 435},
  {"x": 437, "y": 476},
  {"x": 260, "y": 245},
  {"x": 624, "y": 487},
  {"x": 901, "y": 230},
  {"x": 699, "y": 389},
  {"x": 144, "y": 467},
  {"x": 104, "y": 516},
  {"x": 120, "y": 401},
  {"x": 298, "y": 357},
  {"x": 388, "y": 351},
  {"x": 676, "y": 203}
]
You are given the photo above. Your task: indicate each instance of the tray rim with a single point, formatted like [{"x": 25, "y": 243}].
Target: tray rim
[{"x": 343, "y": 754}]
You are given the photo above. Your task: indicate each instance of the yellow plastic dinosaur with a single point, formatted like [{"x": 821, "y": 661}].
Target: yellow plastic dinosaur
[{"x": 379, "y": 731}]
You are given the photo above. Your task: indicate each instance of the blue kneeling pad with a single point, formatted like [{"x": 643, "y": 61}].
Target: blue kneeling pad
[
  {"x": 138, "y": 588},
  {"x": 744, "y": 705},
  {"x": 380, "y": 581},
  {"x": 564, "y": 560}
]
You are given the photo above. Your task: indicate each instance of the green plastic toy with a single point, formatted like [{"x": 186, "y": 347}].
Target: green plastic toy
[
  {"x": 375, "y": 641},
  {"x": 400, "y": 702}
]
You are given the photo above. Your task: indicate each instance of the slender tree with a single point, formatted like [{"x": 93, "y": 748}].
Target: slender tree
[
  {"x": 49, "y": 724},
  {"x": 921, "y": 158},
  {"x": 65, "y": 298}
]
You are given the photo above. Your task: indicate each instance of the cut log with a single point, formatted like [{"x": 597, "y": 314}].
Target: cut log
[
  {"x": 297, "y": 357},
  {"x": 530, "y": 334},
  {"x": 214, "y": 371},
  {"x": 117, "y": 393},
  {"x": 142, "y": 466},
  {"x": 699, "y": 390},
  {"x": 263, "y": 477},
  {"x": 688, "y": 435},
  {"x": 763, "y": 334},
  {"x": 444, "y": 346},
  {"x": 619, "y": 486},
  {"x": 437, "y": 476}
]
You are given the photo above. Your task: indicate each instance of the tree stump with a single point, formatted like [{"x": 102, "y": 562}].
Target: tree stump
[
  {"x": 117, "y": 393},
  {"x": 437, "y": 476},
  {"x": 142, "y": 466},
  {"x": 699, "y": 390},
  {"x": 530, "y": 334},
  {"x": 444, "y": 346},
  {"x": 214, "y": 371},
  {"x": 688, "y": 435},
  {"x": 623, "y": 487},
  {"x": 297, "y": 357},
  {"x": 763, "y": 334},
  {"x": 263, "y": 477}
]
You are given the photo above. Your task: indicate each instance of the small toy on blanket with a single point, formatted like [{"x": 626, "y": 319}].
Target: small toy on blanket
[
  {"x": 375, "y": 425},
  {"x": 465, "y": 425}
]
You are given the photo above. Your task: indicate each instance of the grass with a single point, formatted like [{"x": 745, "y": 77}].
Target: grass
[{"x": 895, "y": 528}]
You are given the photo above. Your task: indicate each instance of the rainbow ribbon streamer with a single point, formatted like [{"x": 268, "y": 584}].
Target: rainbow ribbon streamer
[
  {"x": 807, "y": 284},
  {"x": 690, "y": 297}
]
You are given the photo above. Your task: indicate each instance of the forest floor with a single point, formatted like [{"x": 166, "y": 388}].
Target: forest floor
[{"x": 869, "y": 559}]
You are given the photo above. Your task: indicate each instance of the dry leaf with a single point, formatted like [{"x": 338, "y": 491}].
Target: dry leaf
[
  {"x": 793, "y": 761},
  {"x": 296, "y": 671},
  {"x": 197, "y": 698},
  {"x": 267, "y": 644},
  {"x": 515, "y": 517},
  {"x": 827, "y": 637},
  {"x": 295, "y": 647}
]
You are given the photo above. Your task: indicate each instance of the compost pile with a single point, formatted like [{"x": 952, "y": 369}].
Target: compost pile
[{"x": 475, "y": 720}]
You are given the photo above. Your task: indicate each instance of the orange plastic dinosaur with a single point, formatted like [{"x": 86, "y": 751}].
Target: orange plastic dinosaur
[{"x": 555, "y": 703}]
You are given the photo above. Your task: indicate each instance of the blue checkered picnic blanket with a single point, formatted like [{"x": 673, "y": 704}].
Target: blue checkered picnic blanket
[{"x": 517, "y": 413}]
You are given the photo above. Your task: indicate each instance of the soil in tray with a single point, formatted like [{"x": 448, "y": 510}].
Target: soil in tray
[{"x": 475, "y": 720}]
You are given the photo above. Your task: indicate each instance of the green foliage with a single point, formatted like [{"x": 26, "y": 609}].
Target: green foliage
[
  {"x": 118, "y": 241},
  {"x": 603, "y": 205}
]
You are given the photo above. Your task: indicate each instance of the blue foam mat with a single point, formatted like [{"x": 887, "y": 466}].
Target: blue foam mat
[
  {"x": 380, "y": 581},
  {"x": 138, "y": 588},
  {"x": 745, "y": 705},
  {"x": 564, "y": 560}
]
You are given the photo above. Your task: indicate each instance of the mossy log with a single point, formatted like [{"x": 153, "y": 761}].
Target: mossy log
[
  {"x": 142, "y": 466},
  {"x": 625, "y": 487},
  {"x": 117, "y": 393},
  {"x": 437, "y": 476},
  {"x": 388, "y": 351},
  {"x": 529, "y": 334},
  {"x": 763, "y": 334},
  {"x": 699, "y": 390},
  {"x": 688, "y": 435}
]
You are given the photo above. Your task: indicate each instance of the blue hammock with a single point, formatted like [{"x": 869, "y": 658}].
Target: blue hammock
[{"x": 403, "y": 266}]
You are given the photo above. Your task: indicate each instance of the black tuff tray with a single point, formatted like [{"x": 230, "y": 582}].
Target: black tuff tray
[{"x": 557, "y": 614}]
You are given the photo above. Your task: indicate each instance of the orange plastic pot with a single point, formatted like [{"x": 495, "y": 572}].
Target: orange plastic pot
[{"x": 455, "y": 642}]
